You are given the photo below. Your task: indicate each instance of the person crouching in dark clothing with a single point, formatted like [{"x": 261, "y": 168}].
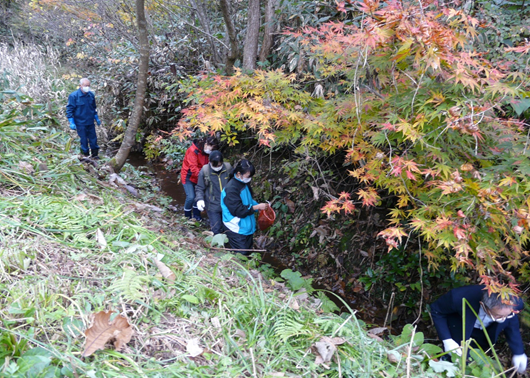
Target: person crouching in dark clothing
[
  {"x": 239, "y": 207},
  {"x": 496, "y": 316},
  {"x": 213, "y": 178}
]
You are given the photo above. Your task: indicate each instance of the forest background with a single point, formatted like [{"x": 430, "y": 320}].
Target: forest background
[{"x": 391, "y": 137}]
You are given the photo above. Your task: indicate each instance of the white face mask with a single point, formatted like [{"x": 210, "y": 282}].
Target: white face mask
[
  {"x": 216, "y": 169},
  {"x": 501, "y": 320},
  {"x": 207, "y": 151},
  {"x": 85, "y": 89},
  {"x": 246, "y": 180}
]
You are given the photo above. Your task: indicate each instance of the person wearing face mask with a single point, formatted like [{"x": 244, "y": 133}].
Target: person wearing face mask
[
  {"x": 496, "y": 316},
  {"x": 238, "y": 208},
  {"x": 195, "y": 158},
  {"x": 213, "y": 178},
  {"x": 81, "y": 112}
]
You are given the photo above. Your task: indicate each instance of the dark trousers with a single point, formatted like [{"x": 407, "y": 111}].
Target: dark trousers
[
  {"x": 216, "y": 221},
  {"x": 480, "y": 339},
  {"x": 87, "y": 134},
  {"x": 238, "y": 241}
]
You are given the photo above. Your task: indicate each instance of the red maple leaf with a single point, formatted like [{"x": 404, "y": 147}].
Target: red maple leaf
[
  {"x": 369, "y": 197},
  {"x": 460, "y": 234}
]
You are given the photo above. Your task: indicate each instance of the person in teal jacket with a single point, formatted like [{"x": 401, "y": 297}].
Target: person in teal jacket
[{"x": 238, "y": 208}]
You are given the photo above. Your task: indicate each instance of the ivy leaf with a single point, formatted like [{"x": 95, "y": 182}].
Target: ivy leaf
[
  {"x": 327, "y": 304},
  {"x": 34, "y": 362},
  {"x": 219, "y": 240},
  {"x": 431, "y": 349},
  {"x": 520, "y": 106},
  {"x": 444, "y": 366},
  {"x": 294, "y": 278},
  {"x": 190, "y": 299}
]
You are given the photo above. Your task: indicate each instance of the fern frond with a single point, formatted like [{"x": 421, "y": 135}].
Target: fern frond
[
  {"x": 289, "y": 325},
  {"x": 131, "y": 285},
  {"x": 334, "y": 325}
]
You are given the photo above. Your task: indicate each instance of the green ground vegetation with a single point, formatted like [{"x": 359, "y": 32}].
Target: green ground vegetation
[{"x": 72, "y": 245}]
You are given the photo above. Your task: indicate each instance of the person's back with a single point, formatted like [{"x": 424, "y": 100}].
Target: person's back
[
  {"x": 239, "y": 207},
  {"x": 237, "y": 203}
]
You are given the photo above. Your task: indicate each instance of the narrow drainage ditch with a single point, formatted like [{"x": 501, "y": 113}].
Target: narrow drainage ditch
[{"x": 364, "y": 307}]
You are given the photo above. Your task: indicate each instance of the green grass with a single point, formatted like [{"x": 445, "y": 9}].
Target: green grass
[{"x": 56, "y": 270}]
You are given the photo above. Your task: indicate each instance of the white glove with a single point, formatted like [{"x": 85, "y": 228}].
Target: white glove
[
  {"x": 451, "y": 346},
  {"x": 519, "y": 362},
  {"x": 200, "y": 205}
]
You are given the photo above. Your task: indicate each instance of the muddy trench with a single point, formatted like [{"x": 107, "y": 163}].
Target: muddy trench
[{"x": 371, "y": 310}]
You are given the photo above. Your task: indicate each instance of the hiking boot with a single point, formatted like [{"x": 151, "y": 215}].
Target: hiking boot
[
  {"x": 196, "y": 214},
  {"x": 95, "y": 154}
]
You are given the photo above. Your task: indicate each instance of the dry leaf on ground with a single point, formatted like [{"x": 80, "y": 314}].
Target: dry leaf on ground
[
  {"x": 315, "y": 193},
  {"x": 393, "y": 356},
  {"x": 103, "y": 330},
  {"x": 80, "y": 197},
  {"x": 193, "y": 348},
  {"x": 326, "y": 347},
  {"x": 241, "y": 334},
  {"x": 375, "y": 337},
  {"x": 90, "y": 197},
  {"x": 100, "y": 238},
  {"x": 377, "y": 330},
  {"x": 26, "y": 167},
  {"x": 215, "y": 322},
  {"x": 290, "y": 205},
  {"x": 166, "y": 272},
  {"x": 116, "y": 180}
]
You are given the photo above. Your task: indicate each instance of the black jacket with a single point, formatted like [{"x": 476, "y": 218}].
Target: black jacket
[
  {"x": 210, "y": 185},
  {"x": 447, "y": 316}
]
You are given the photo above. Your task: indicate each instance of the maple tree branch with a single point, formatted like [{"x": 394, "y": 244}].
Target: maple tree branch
[
  {"x": 527, "y": 139},
  {"x": 373, "y": 91},
  {"x": 390, "y": 153},
  {"x": 402, "y": 179},
  {"x": 193, "y": 26},
  {"x": 416, "y": 92},
  {"x": 421, "y": 282},
  {"x": 407, "y": 75},
  {"x": 209, "y": 35}
]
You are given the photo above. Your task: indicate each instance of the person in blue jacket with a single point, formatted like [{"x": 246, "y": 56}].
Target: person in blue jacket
[
  {"x": 238, "y": 208},
  {"x": 496, "y": 315},
  {"x": 81, "y": 112}
]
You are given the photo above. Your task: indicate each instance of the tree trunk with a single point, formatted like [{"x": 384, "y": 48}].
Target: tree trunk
[
  {"x": 205, "y": 23},
  {"x": 267, "y": 35},
  {"x": 250, "y": 50},
  {"x": 130, "y": 133},
  {"x": 231, "y": 55}
]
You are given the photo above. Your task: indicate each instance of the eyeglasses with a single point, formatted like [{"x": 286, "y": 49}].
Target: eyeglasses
[{"x": 498, "y": 320}]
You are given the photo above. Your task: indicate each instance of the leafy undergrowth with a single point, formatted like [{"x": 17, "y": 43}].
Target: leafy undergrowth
[{"x": 72, "y": 245}]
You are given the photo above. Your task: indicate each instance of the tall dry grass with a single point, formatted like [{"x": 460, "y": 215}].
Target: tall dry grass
[{"x": 32, "y": 70}]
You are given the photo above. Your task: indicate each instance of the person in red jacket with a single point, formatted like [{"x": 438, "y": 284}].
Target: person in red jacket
[{"x": 196, "y": 156}]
